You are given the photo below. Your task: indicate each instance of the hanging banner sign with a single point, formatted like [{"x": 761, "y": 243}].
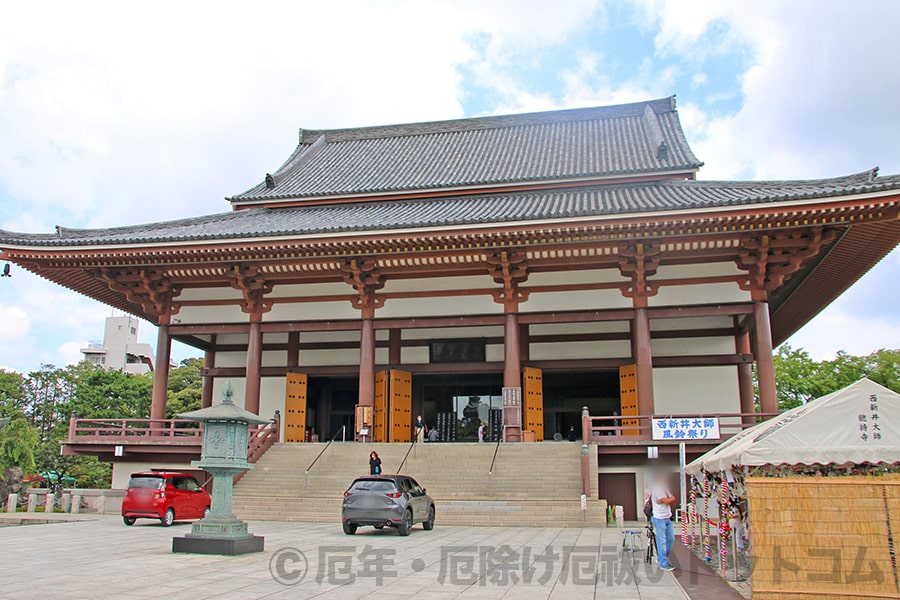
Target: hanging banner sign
[{"x": 685, "y": 429}]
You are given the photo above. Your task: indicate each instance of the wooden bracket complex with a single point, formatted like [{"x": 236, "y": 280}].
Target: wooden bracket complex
[
  {"x": 253, "y": 286},
  {"x": 771, "y": 259},
  {"x": 638, "y": 262},
  {"x": 363, "y": 275},
  {"x": 149, "y": 288},
  {"x": 508, "y": 269}
]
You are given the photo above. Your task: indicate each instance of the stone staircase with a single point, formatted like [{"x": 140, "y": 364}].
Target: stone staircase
[{"x": 533, "y": 484}]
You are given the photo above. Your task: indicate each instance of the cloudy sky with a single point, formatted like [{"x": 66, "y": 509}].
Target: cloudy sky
[{"x": 119, "y": 113}]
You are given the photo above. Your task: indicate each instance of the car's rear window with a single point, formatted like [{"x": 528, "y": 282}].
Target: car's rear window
[
  {"x": 372, "y": 485},
  {"x": 145, "y": 483}
]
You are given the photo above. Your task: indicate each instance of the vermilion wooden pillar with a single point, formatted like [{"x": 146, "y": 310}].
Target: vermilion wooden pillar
[
  {"x": 367, "y": 362},
  {"x": 643, "y": 359},
  {"x": 512, "y": 363},
  {"x": 765, "y": 365},
  {"x": 293, "y": 350},
  {"x": 745, "y": 379},
  {"x": 209, "y": 362},
  {"x": 254, "y": 367},
  {"x": 395, "y": 347},
  {"x": 524, "y": 342},
  {"x": 161, "y": 373}
]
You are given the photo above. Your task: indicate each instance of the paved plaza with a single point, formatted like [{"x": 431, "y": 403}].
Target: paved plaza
[{"x": 98, "y": 557}]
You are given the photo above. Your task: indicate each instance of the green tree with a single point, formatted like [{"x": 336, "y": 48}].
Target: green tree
[
  {"x": 18, "y": 443},
  {"x": 108, "y": 394},
  {"x": 13, "y": 394},
  {"x": 800, "y": 379},
  {"x": 185, "y": 387}
]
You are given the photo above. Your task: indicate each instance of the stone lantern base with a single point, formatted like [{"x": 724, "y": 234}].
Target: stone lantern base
[
  {"x": 223, "y": 546},
  {"x": 217, "y": 534}
]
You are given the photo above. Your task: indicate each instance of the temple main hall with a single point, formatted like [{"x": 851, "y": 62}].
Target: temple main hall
[{"x": 506, "y": 271}]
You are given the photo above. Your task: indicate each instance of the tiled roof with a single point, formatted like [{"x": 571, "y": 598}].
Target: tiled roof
[
  {"x": 636, "y": 198},
  {"x": 546, "y": 146}
]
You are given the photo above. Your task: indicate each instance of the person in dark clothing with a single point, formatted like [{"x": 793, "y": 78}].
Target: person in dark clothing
[
  {"x": 374, "y": 464},
  {"x": 573, "y": 435},
  {"x": 419, "y": 429}
]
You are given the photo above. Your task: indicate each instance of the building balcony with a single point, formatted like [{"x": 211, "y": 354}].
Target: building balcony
[{"x": 153, "y": 440}]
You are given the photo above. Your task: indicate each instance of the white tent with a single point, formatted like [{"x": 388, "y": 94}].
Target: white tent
[{"x": 858, "y": 424}]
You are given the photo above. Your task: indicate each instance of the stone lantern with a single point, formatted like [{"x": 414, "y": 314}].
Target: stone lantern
[{"x": 223, "y": 455}]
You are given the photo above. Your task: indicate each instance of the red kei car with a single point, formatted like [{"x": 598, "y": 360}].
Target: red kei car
[{"x": 164, "y": 495}]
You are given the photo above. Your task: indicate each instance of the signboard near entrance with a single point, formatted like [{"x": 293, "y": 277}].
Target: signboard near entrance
[{"x": 685, "y": 429}]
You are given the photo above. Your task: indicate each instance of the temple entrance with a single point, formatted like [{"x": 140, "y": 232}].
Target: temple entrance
[
  {"x": 330, "y": 406},
  {"x": 456, "y": 404},
  {"x": 566, "y": 393}
]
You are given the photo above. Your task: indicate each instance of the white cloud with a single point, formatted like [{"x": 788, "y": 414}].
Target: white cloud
[
  {"x": 70, "y": 353},
  {"x": 816, "y": 94}
]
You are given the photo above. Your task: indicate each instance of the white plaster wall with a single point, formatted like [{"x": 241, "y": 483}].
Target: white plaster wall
[
  {"x": 452, "y": 332},
  {"x": 189, "y": 315},
  {"x": 307, "y": 290},
  {"x": 231, "y": 359},
  {"x": 414, "y": 356},
  {"x": 271, "y": 398},
  {"x": 695, "y": 390},
  {"x": 329, "y": 336},
  {"x": 567, "y": 328},
  {"x": 576, "y": 350},
  {"x": 320, "y": 358},
  {"x": 274, "y": 358},
  {"x": 693, "y": 346},
  {"x": 698, "y": 294},
  {"x": 438, "y": 307},
  {"x": 312, "y": 311},
  {"x": 238, "y": 388},
  {"x": 232, "y": 338},
  {"x": 211, "y": 293},
  {"x": 381, "y": 356},
  {"x": 703, "y": 270},
  {"x": 581, "y": 300},
  {"x": 438, "y": 283},
  {"x": 577, "y": 276},
  {"x": 493, "y": 352},
  {"x": 690, "y": 323}
]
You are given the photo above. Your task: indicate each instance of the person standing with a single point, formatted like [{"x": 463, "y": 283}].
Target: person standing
[
  {"x": 481, "y": 433},
  {"x": 662, "y": 500},
  {"x": 573, "y": 435},
  {"x": 420, "y": 429},
  {"x": 374, "y": 464}
]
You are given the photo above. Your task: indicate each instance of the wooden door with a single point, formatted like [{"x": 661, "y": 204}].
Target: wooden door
[
  {"x": 619, "y": 489},
  {"x": 533, "y": 401},
  {"x": 295, "y": 408},
  {"x": 380, "y": 427},
  {"x": 628, "y": 398},
  {"x": 400, "y": 406}
]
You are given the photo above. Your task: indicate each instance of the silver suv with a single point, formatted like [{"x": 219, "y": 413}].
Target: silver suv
[{"x": 386, "y": 501}]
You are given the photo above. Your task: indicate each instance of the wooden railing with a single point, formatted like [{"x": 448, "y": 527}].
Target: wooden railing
[
  {"x": 164, "y": 432},
  {"x": 262, "y": 437},
  {"x": 119, "y": 431},
  {"x": 624, "y": 429}
]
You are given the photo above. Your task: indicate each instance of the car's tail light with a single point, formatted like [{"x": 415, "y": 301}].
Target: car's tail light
[
  {"x": 347, "y": 494},
  {"x": 159, "y": 496},
  {"x": 393, "y": 494}
]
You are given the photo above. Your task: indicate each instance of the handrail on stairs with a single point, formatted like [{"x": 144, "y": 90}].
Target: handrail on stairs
[
  {"x": 342, "y": 432},
  {"x": 493, "y": 462},
  {"x": 408, "y": 450}
]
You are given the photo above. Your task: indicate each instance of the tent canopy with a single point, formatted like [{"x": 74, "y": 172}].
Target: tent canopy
[{"x": 858, "y": 424}]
